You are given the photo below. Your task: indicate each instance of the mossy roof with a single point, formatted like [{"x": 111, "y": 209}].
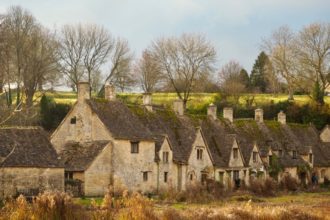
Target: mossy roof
[{"x": 26, "y": 147}]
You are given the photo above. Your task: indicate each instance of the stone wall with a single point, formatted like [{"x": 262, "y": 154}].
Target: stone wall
[
  {"x": 325, "y": 135},
  {"x": 98, "y": 175},
  {"x": 196, "y": 166},
  {"x": 128, "y": 167},
  {"x": 87, "y": 127},
  {"x": 20, "y": 180},
  {"x": 170, "y": 167}
]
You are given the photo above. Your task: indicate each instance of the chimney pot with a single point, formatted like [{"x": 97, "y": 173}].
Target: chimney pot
[
  {"x": 109, "y": 92},
  {"x": 212, "y": 111},
  {"x": 259, "y": 115},
  {"x": 178, "y": 107},
  {"x": 281, "y": 117},
  {"x": 228, "y": 114},
  {"x": 147, "y": 101},
  {"x": 83, "y": 91}
]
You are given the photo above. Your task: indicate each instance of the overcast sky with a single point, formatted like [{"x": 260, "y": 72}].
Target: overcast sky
[{"x": 236, "y": 27}]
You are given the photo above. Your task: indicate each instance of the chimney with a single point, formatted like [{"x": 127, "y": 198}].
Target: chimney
[
  {"x": 178, "y": 107},
  {"x": 147, "y": 101},
  {"x": 212, "y": 111},
  {"x": 281, "y": 117},
  {"x": 259, "y": 115},
  {"x": 83, "y": 91},
  {"x": 228, "y": 113},
  {"x": 109, "y": 92}
]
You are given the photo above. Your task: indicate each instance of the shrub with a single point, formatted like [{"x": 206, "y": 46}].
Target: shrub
[
  {"x": 289, "y": 183},
  {"x": 266, "y": 187},
  {"x": 51, "y": 113}
]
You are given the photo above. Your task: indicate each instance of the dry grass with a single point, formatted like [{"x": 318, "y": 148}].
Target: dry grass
[{"x": 134, "y": 206}]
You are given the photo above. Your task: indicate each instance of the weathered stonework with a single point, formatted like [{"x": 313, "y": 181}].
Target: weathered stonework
[{"x": 19, "y": 180}]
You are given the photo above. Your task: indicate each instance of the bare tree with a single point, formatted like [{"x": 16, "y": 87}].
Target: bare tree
[
  {"x": 183, "y": 60},
  {"x": 148, "y": 72},
  {"x": 39, "y": 61},
  {"x": 230, "y": 80},
  {"x": 313, "y": 53},
  {"x": 98, "y": 45},
  {"x": 280, "y": 47},
  {"x": 71, "y": 53},
  {"x": 120, "y": 62},
  {"x": 19, "y": 24}
]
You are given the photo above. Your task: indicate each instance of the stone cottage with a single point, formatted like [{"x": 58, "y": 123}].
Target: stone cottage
[
  {"x": 103, "y": 142},
  {"x": 28, "y": 163}
]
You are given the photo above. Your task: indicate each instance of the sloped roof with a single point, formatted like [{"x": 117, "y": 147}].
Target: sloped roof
[
  {"x": 26, "y": 147},
  {"x": 79, "y": 156},
  {"x": 180, "y": 130},
  {"x": 120, "y": 121},
  {"x": 220, "y": 139}
]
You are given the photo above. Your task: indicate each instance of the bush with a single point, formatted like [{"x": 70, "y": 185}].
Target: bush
[
  {"x": 266, "y": 187},
  {"x": 51, "y": 113},
  {"x": 289, "y": 183}
]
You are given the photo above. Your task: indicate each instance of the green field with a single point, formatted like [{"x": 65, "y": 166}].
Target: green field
[{"x": 196, "y": 99}]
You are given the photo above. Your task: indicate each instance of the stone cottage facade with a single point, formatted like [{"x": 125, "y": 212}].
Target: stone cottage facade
[
  {"x": 28, "y": 163},
  {"x": 103, "y": 142}
]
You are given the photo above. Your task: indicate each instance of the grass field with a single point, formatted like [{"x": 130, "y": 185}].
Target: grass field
[
  {"x": 315, "y": 204},
  {"x": 195, "y": 98}
]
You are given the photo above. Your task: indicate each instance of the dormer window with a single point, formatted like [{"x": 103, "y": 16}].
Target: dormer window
[
  {"x": 73, "y": 120},
  {"x": 134, "y": 147},
  {"x": 165, "y": 157},
  {"x": 280, "y": 153},
  {"x": 254, "y": 156},
  {"x": 235, "y": 150},
  {"x": 311, "y": 158},
  {"x": 294, "y": 154},
  {"x": 199, "y": 154}
]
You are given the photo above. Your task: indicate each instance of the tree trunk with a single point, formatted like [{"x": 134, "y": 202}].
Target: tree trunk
[
  {"x": 290, "y": 98},
  {"x": 18, "y": 95}
]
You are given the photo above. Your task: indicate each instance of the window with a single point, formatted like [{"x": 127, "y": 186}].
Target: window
[
  {"x": 165, "y": 157},
  {"x": 235, "y": 152},
  {"x": 191, "y": 177},
  {"x": 73, "y": 120},
  {"x": 270, "y": 159},
  {"x": 199, "y": 154},
  {"x": 322, "y": 173},
  {"x": 165, "y": 176},
  {"x": 204, "y": 178},
  {"x": 294, "y": 154},
  {"x": 236, "y": 175},
  {"x": 145, "y": 176},
  {"x": 280, "y": 153},
  {"x": 254, "y": 157},
  {"x": 68, "y": 175},
  {"x": 134, "y": 147},
  {"x": 221, "y": 177},
  {"x": 311, "y": 158}
]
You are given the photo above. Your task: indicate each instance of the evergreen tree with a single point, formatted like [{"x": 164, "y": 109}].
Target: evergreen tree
[
  {"x": 244, "y": 78},
  {"x": 258, "y": 75},
  {"x": 46, "y": 105},
  {"x": 318, "y": 93}
]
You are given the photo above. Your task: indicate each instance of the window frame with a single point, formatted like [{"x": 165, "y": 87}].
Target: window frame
[
  {"x": 254, "y": 156},
  {"x": 68, "y": 175},
  {"x": 280, "y": 152},
  {"x": 73, "y": 120},
  {"x": 199, "y": 154},
  {"x": 165, "y": 156},
  {"x": 294, "y": 154},
  {"x": 310, "y": 157},
  {"x": 145, "y": 176},
  {"x": 235, "y": 153},
  {"x": 235, "y": 174},
  {"x": 165, "y": 177},
  {"x": 135, "y": 147}
]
